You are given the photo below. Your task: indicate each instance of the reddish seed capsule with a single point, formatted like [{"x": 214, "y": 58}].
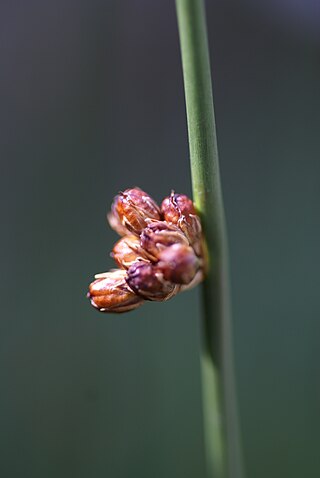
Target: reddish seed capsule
[
  {"x": 127, "y": 251},
  {"x": 158, "y": 258},
  {"x": 158, "y": 235},
  {"x": 133, "y": 207},
  {"x": 178, "y": 263},
  {"x": 180, "y": 210},
  {"x": 191, "y": 227},
  {"x": 111, "y": 293},
  {"x": 175, "y": 206},
  {"x": 148, "y": 282}
]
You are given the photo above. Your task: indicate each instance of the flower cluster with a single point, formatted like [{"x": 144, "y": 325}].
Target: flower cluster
[{"x": 159, "y": 254}]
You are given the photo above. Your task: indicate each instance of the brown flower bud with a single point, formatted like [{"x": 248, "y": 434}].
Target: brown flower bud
[
  {"x": 179, "y": 209},
  {"x": 158, "y": 235},
  {"x": 175, "y": 206},
  {"x": 127, "y": 251},
  {"x": 191, "y": 227},
  {"x": 178, "y": 263},
  {"x": 111, "y": 293},
  {"x": 132, "y": 208},
  {"x": 148, "y": 282}
]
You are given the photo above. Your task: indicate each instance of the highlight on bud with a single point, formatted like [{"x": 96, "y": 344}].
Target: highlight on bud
[
  {"x": 159, "y": 254},
  {"x": 111, "y": 293},
  {"x": 115, "y": 223}
]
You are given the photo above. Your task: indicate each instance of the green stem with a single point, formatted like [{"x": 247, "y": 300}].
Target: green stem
[{"x": 223, "y": 449}]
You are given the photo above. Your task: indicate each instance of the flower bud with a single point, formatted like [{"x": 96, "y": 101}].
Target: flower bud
[
  {"x": 111, "y": 293},
  {"x": 132, "y": 208},
  {"x": 191, "y": 227},
  {"x": 127, "y": 251},
  {"x": 148, "y": 282},
  {"x": 179, "y": 209},
  {"x": 178, "y": 263},
  {"x": 175, "y": 206},
  {"x": 158, "y": 235}
]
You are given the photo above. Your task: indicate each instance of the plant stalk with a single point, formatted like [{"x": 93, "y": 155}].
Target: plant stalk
[{"x": 221, "y": 428}]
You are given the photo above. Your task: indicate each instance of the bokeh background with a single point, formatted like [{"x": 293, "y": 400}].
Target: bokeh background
[{"x": 92, "y": 102}]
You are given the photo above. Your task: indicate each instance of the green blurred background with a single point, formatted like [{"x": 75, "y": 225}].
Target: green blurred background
[{"x": 92, "y": 102}]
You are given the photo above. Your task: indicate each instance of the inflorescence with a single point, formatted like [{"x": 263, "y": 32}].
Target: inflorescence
[{"x": 159, "y": 254}]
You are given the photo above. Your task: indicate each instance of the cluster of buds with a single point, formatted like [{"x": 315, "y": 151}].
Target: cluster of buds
[{"x": 159, "y": 254}]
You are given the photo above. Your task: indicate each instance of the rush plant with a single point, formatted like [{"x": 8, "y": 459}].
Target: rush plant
[
  {"x": 162, "y": 251},
  {"x": 221, "y": 426}
]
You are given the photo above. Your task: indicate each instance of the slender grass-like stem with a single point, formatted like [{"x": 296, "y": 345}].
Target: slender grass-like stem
[{"x": 222, "y": 437}]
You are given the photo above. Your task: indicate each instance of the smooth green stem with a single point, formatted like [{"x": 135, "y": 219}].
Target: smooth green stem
[{"x": 223, "y": 449}]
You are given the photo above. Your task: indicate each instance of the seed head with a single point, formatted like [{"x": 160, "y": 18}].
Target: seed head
[
  {"x": 111, "y": 293},
  {"x": 115, "y": 223},
  {"x": 178, "y": 263},
  {"x": 131, "y": 209},
  {"x": 148, "y": 282}
]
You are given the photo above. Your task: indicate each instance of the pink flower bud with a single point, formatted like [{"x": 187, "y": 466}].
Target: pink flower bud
[
  {"x": 178, "y": 263},
  {"x": 179, "y": 209},
  {"x": 175, "y": 206},
  {"x": 148, "y": 282},
  {"x": 111, "y": 293},
  {"x": 158, "y": 235},
  {"x": 131, "y": 209}
]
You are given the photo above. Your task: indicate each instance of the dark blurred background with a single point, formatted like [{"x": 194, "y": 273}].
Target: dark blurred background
[{"x": 92, "y": 102}]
